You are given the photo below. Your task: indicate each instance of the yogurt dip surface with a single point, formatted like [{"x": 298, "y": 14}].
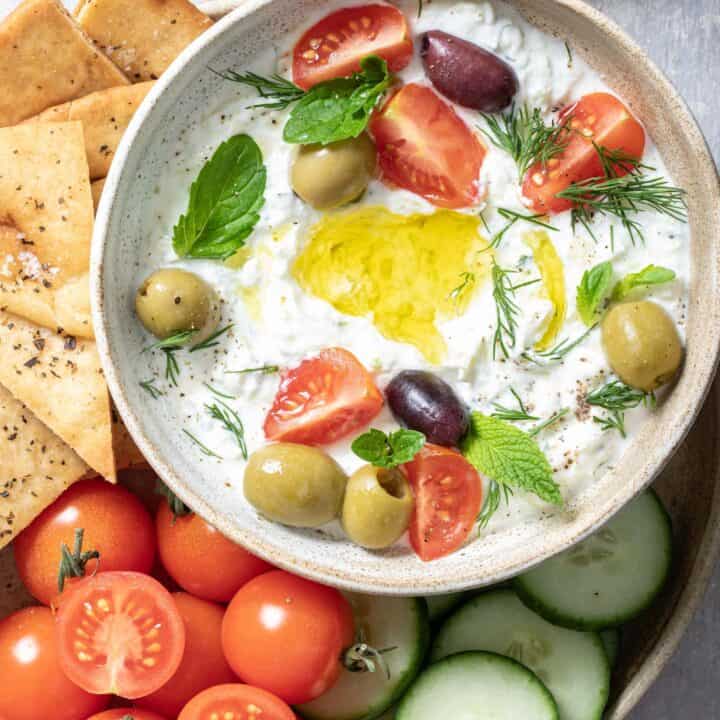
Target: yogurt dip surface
[{"x": 277, "y": 323}]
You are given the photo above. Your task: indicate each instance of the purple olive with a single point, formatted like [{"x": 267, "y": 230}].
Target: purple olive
[
  {"x": 467, "y": 74},
  {"x": 423, "y": 401}
]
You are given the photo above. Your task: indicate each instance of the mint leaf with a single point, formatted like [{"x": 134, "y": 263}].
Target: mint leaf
[
  {"x": 510, "y": 457},
  {"x": 650, "y": 275},
  {"x": 338, "y": 109},
  {"x": 388, "y": 451},
  {"x": 224, "y": 202},
  {"x": 591, "y": 292}
]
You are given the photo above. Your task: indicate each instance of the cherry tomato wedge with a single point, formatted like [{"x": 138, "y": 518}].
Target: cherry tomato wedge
[
  {"x": 121, "y": 633},
  {"x": 448, "y": 497},
  {"x": 241, "y": 702},
  {"x": 323, "y": 399},
  {"x": 598, "y": 118},
  {"x": 286, "y": 634},
  {"x": 120, "y": 713},
  {"x": 424, "y": 146},
  {"x": 334, "y": 46}
]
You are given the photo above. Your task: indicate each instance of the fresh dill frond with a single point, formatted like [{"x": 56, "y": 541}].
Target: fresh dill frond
[
  {"x": 557, "y": 352},
  {"x": 568, "y": 50},
  {"x": 172, "y": 368},
  {"x": 231, "y": 421},
  {"x": 525, "y": 136},
  {"x": 279, "y": 91},
  {"x": 550, "y": 421},
  {"x": 217, "y": 392},
  {"x": 263, "y": 369},
  {"x": 211, "y": 341},
  {"x": 151, "y": 389},
  {"x": 419, "y": 8},
  {"x": 532, "y": 219},
  {"x": 174, "y": 342},
  {"x": 510, "y": 414},
  {"x": 496, "y": 493},
  {"x": 614, "y": 421},
  {"x": 204, "y": 449},
  {"x": 506, "y": 310},
  {"x": 617, "y": 395},
  {"x": 466, "y": 286}
]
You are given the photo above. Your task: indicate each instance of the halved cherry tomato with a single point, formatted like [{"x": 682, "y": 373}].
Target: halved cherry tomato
[
  {"x": 241, "y": 702},
  {"x": 323, "y": 399},
  {"x": 114, "y": 521},
  {"x": 32, "y": 684},
  {"x": 334, "y": 46},
  {"x": 121, "y": 633},
  {"x": 448, "y": 496},
  {"x": 200, "y": 559},
  {"x": 598, "y": 118},
  {"x": 424, "y": 146},
  {"x": 203, "y": 664},
  {"x": 285, "y": 634},
  {"x": 121, "y": 712}
]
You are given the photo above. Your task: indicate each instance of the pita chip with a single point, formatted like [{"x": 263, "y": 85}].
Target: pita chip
[
  {"x": 46, "y": 220},
  {"x": 142, "y": 37},
  {"x": 104, "y": 115},
  {"x": 127, "y": 454},
  {"x": 37, "y": 466},
  {"x": 61, "y": 381},
  {"x": 46, "y": 59},
  {"x": 96, "y": 189}
]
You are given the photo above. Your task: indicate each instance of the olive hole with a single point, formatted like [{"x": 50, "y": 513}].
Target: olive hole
[{"x": 392, "y": 481}]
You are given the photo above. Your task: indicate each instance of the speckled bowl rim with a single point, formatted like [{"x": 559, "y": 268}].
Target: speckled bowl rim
[{"x": 343, "y": 576}]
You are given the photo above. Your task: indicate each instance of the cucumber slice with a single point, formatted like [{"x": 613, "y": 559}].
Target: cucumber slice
[
  {"x": 611, "y": 642},
  {"x": 572, "y": 664},
  {"x": 481, "y": 686},
  {"x": 610, "y": 577},
  {"x": 440, "y": 605},
  {"x": 386, "y": 622}
]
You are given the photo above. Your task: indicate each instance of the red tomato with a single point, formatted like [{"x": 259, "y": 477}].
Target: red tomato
[
  {"x": 334, "y": 46},
  {"x": 120, "y": 632},
  {"x": 115, "y": 523},
  {"x": 286, "y": 634},
  {"x": 424, "y": 146},
  {"x": 123, "y": 712},
  {"x": 600, "y": 118},
  {"x": 323, "y": 399},
  {"x": 32, "y": 685},
  {"x": 241, "y": 702},
  {"x": 448, "y": 497},
  {"x": 201, "y": 559},
  {"x": 203, "y": 664}
]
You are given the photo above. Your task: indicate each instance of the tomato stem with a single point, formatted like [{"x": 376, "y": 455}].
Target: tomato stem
[
  {"x": 361, "y": 657},
  {"x": 72, "y": 564}
]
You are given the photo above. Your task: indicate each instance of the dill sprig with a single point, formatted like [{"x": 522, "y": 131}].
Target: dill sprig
[
  {"x": 263, "y": 369},
  {"x": 622, "y": 196},
  {"x": 169, "y": 347},
  {"x": 231, "y": 421},
  {"x": 532, "y": 219},
  {"x": 557, "y": 352},
  {"x": 218, "y": 393},
  {"x": 151, "y": 389},
  {"x": 614, "y": 421},
  {"x": 204, "y": 449},
  {"x": 562, "y": 412},
  {"x": 525, "y": 136},
  {"x": 616, "y": 398},
  {"x": 211, "y": 341},
  {"x": 496, "y": 493},
  {"x": 510, "y": 414},
  {"x": 279, "y": 91},
  {"x": 568, "y": 50},
  {"x": 506, "y": 309},
  {"x": 466, "y": 286}
]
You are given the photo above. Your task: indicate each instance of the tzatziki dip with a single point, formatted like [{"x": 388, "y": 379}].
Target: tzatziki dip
[{"x": 419, "y": 275}]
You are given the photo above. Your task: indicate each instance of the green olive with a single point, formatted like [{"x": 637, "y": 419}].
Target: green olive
[
  {"x": 377, "y": 506},
  {"x": 642, "y": 344},
  {"x": 326, "y": 176},
  {"x": 294, "y": 484},
  {"x": 171, "y": 301}
]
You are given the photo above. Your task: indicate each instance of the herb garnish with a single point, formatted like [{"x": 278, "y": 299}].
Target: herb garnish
[
  {"x": 506, "y": 309},
  {"x": 211, "y": 341},
  {"x": 616, "y": 398},
  {"x": 495, "y": 494},
  {"x": 525, "y": 136},
  {"x": 511, "y": 415},
  {"x": 388, "y": 450},
  {"x": 466, "y": 286},
  {"x": 225, "y": 200},
  {"x": 280, "y": 92},
  {"x": 561, "y": 413},
  {"x": 264, "y": 369},
  {"x": 592, "y": 291},
  {"x": 569, "y": 54},
  {"x": 650, "y": 275},
  {"x": 170, "y": 346},
  {"x": 149, "y": 387},
  {"x": 218, "y": 393},
  {"x": 231, "y": 422},
  {"x": 204, "y": 449},
  {"x": 556, "y": 353},
  {"x": 177, "y": 507},
  {"x": 512, "y": 217}
]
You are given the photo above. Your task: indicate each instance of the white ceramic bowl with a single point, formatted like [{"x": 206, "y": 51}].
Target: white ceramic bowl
[{"x": 180, "y": 96}]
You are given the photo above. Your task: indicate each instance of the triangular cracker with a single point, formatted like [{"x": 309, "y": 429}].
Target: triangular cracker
[{"x": 60, "y": 379}]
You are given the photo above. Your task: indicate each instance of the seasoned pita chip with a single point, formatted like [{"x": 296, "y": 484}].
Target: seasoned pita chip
[
  {"x": 127, "y": 454},
  {"x": 45, "y": 60},
  {"x": 97, "y": 188},
  {"x": 60, "y": 379},
  {"x": 142, "y": 37},
  {"x": 46, "y": 219},
  {"x": 36, "y": 466},
  {"x": 104, "y": 116}
]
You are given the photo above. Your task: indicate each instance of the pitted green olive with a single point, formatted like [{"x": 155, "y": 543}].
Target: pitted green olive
[
  {"x": 171, "y": 301},
  {"x": 642, "y": 344},
  {"x": 377, "y": 506},
  {"x": 326, "y": 176},
  {"x": 294, "y": 484}
]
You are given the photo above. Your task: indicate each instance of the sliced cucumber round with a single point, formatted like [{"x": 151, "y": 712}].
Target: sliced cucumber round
[
  {"x": 611, "y": 642},
  {"x": 385, "y": 622},
  {"x": 478, "y": 685},
  {"x": 610, "y": 577},
  {"x": 440, "y": 605},
  {"x": 572, "y": 664}
]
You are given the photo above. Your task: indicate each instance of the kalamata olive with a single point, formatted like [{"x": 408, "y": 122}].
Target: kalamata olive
[
  {"x": 377, "y": 506},
  {"x": 171, "y": 301},
  {"x": 467, "y": 74},
  {"x": 294, "y": 484},
  {"x": 642, "y": 344},
  {"x": 425, "y": 402},
  {"x": 326, "y": 176}
]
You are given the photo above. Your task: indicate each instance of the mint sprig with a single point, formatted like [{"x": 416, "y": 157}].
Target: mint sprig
[
  {"x": 388, "y": 450},
  {"x": 509, "y": 457},
  {"x": 592, "y": 291},
  {"x": 650, "y": 275}
]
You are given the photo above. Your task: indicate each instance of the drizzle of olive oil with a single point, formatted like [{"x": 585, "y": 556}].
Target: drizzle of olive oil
[{"x": 400, "y": 270}]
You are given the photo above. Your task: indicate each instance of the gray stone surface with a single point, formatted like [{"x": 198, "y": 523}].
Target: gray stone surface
[{"x": 683, "y": 38}]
